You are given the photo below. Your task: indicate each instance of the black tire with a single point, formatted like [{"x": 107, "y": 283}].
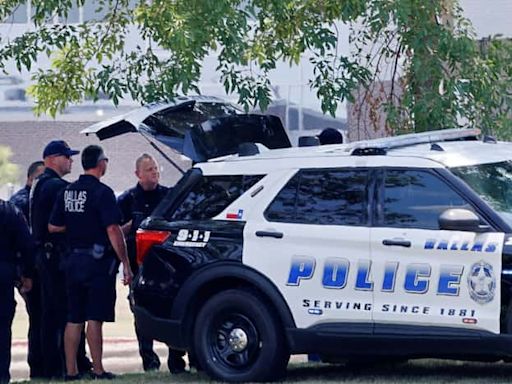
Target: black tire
[{"x": 238, "y": 338}]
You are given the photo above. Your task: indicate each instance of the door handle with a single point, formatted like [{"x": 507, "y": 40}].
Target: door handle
[
  {"x": 397, "y": 243},
  {"x": 275, "y": 235}
]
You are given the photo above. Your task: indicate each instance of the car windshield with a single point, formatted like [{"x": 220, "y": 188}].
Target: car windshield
[{"x": 493, "y": 182}]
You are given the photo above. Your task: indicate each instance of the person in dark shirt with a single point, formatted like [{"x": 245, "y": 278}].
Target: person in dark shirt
[
  {"x": 50, "y": 250},
  {"x": 33, "y": 297},
  {"x": 330, "y": 136},
  {"x": 20, "y": 198},
  {"x": 16, "y": 247},
  {"x": 88, "y": 214},
  {"x": 136, "y": 204}
]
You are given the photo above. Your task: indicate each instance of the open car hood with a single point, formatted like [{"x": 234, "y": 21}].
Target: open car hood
[{"x": 199, "y": 127}]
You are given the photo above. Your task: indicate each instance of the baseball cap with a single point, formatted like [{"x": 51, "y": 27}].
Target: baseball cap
[{"x": 58, "y": 148}]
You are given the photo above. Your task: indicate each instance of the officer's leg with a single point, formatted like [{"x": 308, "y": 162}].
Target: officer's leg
[
  {"x": 175, "y": 361},
  {"x": 35, "y": 349},
  {"x": 95, "y": 340},
  {"x": 150, "y": 360},
  {"x": 72, "y": 337},
  {"x": 83, "y": 362},
  {"x": 49, "y": 326},
  {"x": 7, "y": 307},
  {"x": 54, "y": 316}
]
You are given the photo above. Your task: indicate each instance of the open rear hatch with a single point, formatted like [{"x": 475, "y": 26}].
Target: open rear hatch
[{"x": 199, "y": 127}]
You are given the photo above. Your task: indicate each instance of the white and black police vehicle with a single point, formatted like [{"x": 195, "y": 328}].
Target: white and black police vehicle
[{"x": 393, "y": 248}]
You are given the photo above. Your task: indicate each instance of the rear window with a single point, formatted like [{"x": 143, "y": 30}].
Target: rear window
[
  {"x": 323, "y": 197},
  {"x": 211, "y": 195}
]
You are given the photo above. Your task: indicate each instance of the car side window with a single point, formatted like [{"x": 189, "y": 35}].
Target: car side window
[
  {"x": 324, "y": 196},
  {"x": 415, "y": 199},
  {"x": 211, "y": 195}
]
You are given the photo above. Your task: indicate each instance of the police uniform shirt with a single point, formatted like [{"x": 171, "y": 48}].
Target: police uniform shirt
[
  {"x": 46, "y": 189},
  {"x": 86, "y": 208},
  {"x": 20, "y": 200},
  {"x": 14, "y": 237},
  {"x": 136, "y": 204}
]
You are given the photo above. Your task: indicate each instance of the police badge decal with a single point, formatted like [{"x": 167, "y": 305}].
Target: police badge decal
[{"x": 481, "y": 282}]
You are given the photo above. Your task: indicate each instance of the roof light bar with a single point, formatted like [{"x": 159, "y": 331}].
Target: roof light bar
[{"x": 417, "y": 138}]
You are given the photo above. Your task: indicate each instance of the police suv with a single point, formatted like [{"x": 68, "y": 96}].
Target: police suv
[{"x": 389, "y": 248}]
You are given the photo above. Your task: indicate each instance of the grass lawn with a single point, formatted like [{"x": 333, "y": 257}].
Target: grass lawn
[{"x": 419, "y": 371}]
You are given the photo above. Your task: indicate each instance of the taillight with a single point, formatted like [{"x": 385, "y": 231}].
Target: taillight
[{"x": 145, "y": 239}]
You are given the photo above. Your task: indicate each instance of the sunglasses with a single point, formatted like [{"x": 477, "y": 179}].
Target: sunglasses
[{"x": 66, "y": 156}]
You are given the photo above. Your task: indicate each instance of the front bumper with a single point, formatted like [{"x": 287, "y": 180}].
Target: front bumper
[{"x": 167, "y": 331}]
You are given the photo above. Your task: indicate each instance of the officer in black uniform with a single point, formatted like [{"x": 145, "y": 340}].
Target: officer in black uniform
[
  {"x": 33, "y": 297},
  {"x": 87, "y": 212},
  {"x": 136, "y": 204},
  {"x": 330, "y": 136},
  {"x": 50, "y": 249},
  {"x": 15, "y": 240},
  {"x": 20, "y": 198}
]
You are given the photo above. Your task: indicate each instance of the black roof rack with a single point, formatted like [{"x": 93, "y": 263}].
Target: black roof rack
[{"x": 369, "y": 151}]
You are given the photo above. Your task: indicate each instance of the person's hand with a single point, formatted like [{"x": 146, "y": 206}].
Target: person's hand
[
  {"x": 127, "y": 274},
  {"x": 26, "y": 285}
]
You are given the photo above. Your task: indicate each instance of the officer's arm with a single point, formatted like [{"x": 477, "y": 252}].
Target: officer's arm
[
  {"x": 25, "y": 246},
  {"x": 116, "y": 237},
  {"x": 56, "y": 222},
  {"x": 56, "y": 229},
  {"x": 124, "y": 203},
  {"x": 127, "y": 227}
]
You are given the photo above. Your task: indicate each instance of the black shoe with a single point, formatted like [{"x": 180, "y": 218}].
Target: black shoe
[
  {"x": 153, "y": 365},
  {"x": 72, "y": 377},
  {"x": 84, "y": 365},
  {"x": 103, "y": 376},
  {"x": 177, "y": 371},
  {"x": 176, "y": 364}
]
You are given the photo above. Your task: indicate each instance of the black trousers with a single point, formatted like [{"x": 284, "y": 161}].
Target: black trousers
[
  {"x": 7, "y": 308},
  {"x": 35, "y": 348},
  {"x": 150, "y": 360},
  {"x": 54, "y": 319}
]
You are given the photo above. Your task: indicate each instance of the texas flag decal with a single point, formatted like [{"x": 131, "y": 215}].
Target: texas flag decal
[{"x": 238, "y": 215}]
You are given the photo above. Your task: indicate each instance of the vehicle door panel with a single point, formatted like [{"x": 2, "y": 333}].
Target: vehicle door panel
[{"x": 426, "y": 276}]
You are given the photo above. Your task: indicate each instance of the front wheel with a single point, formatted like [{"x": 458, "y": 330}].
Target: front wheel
[{"x": 238, "y": 338}]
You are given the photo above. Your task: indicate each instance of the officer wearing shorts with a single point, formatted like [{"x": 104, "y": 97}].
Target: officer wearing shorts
[{"x": 88, "y": 213}]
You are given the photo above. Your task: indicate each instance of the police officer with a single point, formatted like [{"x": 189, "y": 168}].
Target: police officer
[
  {"x": 33, "y": 297},
  {"x": 136, "y": 204},
  {"x": 88, "y": 213},
  {"x": 330, "y": 136},
  {"x": 14, "y": 239},
  {"x": 50, "y": 248},
  {"x": 20, "y": 198}
]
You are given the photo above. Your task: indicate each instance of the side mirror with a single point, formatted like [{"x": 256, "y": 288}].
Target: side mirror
[{"x": 457, "y": 219}]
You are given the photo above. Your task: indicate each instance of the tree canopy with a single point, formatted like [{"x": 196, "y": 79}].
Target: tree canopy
[{"x": 441, "y": 76}]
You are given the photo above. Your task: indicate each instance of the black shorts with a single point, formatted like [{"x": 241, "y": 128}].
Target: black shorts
[{"x": 91, "y": 288}]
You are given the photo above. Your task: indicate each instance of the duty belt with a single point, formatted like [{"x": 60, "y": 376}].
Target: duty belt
[{"x": 83, "y": 251}]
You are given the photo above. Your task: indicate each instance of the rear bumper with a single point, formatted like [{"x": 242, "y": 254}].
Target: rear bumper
[{"x": 164, "y": 330}]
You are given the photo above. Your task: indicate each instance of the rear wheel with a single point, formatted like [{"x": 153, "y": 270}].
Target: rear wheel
[{"x": 238, "y": 338}]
